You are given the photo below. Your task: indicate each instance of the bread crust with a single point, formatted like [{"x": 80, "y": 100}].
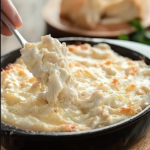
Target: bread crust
[
  {"x": 88, "y": 14},
  {"x": 83, "y": 13}
]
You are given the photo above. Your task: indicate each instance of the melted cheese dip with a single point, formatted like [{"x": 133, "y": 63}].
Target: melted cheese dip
[{"x": 72, "y": 88}]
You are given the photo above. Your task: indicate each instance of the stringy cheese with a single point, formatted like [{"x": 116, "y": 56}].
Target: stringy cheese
[{"x": 83, "y": 88}]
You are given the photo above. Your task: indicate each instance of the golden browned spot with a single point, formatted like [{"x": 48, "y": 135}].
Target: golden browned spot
[
  {"x": 133, "y": 70},
  {"x": 68, "y": 127},
  {"x": 115, "y": 81},
  {"x": 4, "y": 73},
  {"x": 88, "y": 73},
  {"x": 72, "y": 47},
  {"x": 10, "y": 67},
  {"x": 83, "y": 94},
  {"x": 21, "y": 73},
  {"x": 108, "y": 62},
  {"x": 130, "y": 87},
  {"x": 70, "y": 65},
  {"x": 127, "y": 111},
  {"x": 32, "y": 79},
  {"x": 84, "y": 46},
  {"x": 12, "y": 98},
  {"x": 73, "y": 128},
  {"x": 103, "y": 107},
  {"x": 101, "y": 84},
  {"x": 55, "y": 110}
]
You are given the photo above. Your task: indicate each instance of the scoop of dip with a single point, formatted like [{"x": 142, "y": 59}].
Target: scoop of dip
[
  {"x": 48, "y": 63},
  {"x": 54, "y": 87}
]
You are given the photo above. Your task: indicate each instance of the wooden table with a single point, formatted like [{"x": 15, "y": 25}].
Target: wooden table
[{"x": 143, "y": 144}]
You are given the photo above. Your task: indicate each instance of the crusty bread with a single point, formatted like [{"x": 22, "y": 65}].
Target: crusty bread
[
  {"x": 89, "y": 13},
  {"x": 83, "y": 13},
  {"x": 117, "y": 11},
  {"x": 143, "y": 7}
]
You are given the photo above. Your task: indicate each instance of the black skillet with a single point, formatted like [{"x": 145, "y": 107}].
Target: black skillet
[{"x": 114, "y": 137}]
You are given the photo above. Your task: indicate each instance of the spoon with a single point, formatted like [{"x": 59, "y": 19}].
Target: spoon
[{"x": 13, "y": 29}]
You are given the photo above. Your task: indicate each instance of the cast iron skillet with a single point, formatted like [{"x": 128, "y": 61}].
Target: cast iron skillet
[{"x": 114, "y": 137}]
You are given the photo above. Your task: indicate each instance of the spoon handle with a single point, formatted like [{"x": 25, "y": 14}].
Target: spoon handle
[{"x": 13, "y": 29}]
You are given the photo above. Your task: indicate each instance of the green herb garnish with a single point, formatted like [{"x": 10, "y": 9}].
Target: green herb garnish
[{"x": 140, "y": 34}]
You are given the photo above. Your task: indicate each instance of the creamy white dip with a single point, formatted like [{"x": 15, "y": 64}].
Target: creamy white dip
[{"x": 72, "y": 88}]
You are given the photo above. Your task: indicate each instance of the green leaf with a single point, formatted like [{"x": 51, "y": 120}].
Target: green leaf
[
  {"x": 123, "y": 37},
  {"x": 137, "y": 24},
  {"x": 145, "y": 42},
  {"x": 140, "y": 35},
  {"x": 137, "y": 36}
]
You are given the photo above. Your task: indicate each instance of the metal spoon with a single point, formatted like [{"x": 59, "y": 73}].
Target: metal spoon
[{"x": 13, "y": 29}]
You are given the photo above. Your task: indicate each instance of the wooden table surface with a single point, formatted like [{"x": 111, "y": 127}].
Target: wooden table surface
[{"x": 143, "y": 144}]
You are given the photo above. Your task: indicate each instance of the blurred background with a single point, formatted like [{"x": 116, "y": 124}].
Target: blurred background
[
  {"x": 33, "y": 27},
  {"x": 42, "y": 17}
]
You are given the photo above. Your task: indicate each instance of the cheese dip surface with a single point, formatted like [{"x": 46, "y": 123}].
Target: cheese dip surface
[{"x": 54, "y": 87}]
